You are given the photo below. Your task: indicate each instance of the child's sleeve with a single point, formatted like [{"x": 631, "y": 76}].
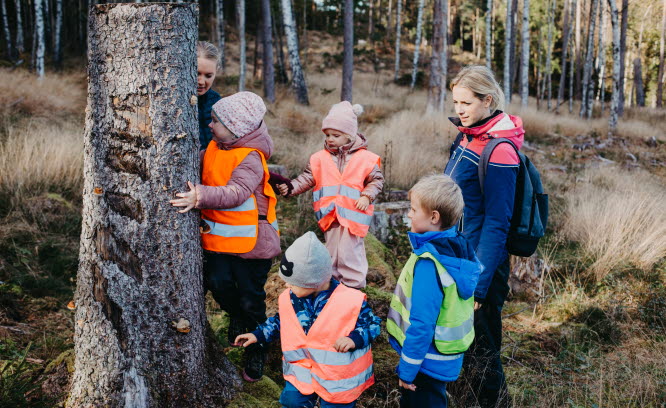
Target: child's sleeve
[
  {"x": 303, "y": 182},
  {"x": 427, "y": 297},
  {"x": 368, "y": 327},
  {"x": 244, "y": 180},
  {"x": 269, "y": 330},
  {"x": 374, "y": 183}
]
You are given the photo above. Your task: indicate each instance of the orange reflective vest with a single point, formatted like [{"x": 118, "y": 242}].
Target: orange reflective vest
[
  {"x": 235, "y": 229},
  {"x": 311, "y": 364},
  {"x": 335, "y": 194}
]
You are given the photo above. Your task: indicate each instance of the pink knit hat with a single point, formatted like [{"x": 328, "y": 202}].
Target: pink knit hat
[
  {"x": 241, "y": 112},
  {"x": 343, "y": 117}
]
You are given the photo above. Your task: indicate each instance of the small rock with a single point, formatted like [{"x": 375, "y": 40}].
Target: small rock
[
  {"x": 388, "y": 216},
  {"x": 652, "y": 141}
]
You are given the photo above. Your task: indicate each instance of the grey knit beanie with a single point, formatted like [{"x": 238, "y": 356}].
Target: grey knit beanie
[{"x": 306, "y": 263}]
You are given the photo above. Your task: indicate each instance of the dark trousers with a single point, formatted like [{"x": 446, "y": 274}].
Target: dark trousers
[
  {"x": 429, "y": 393},
  {"x": 237, "y": 285}
]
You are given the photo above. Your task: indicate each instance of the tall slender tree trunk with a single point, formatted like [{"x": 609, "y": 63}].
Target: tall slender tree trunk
[
  {"x": 572, "y": 78},
  {"x": 267, "y": 46},
  {"x": 40, "y": 45},
  {"x": 371, "y": 23},
  {"x": 438, "y": 60},
  {"x": 507, "y": 52},
  {"x": 638, "y": 82},
  {"x": 525, "y": 58},
  {"x": 601, "y": 95},
  {"x": 348, "y": 56},
  {"x": 615, "y": 97},
  {"x": 240, "y": 22},
  {"x": 20, "y": 47},
  {"x": 549, "y": 53},
  {"x": 389, "y": 20},
  {"x": 578, "y": 52},
  {"x": 282, "y": 72},
  {"x": 566, "y": 30},
  {"x": 489, "y": 33},
  {"x": 623, "y": 54},
  {"x": 8, "y": 35},
  {"x": 140, "y": 260},
  {"x": 398, "y": 28},
  {"x": 219, "y": 30},
  {"x": 297, "y": 77},
  {"x": 660, "y": 75},
  {"x": 514, "y": 48},
  {"x": 417, "y": 44},
  {"x": 57, "y": 46},
  {"x": 586, "y": 100}
]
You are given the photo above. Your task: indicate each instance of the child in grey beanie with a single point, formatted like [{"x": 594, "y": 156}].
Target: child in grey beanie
[{"x": 344, "y": 335}]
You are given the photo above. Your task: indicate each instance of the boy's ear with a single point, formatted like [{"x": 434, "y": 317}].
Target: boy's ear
[{"x": 435, "y": 219}]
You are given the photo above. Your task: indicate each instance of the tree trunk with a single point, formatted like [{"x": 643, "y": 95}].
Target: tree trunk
[
  {"x": 282, "y": 72},
  {"x": 240, "y": 22},
  {"x": 438, "y": 60},
  {"x": 417, "y": 45},
  {"x": 566, "y": 30},
  {"x": 371, "y": 23},
  {"x": 549, "y": 53},
  {"x": 20, "y": 47},
  {"x": 39, "y": 38},
  {"x": 219, "y": 29},
  {"x": 525, "y": 58},
  {"x": 615, "y": 97},
  {"x": 578, "y": 50},
  {"x": 601, "y": 95},
  {"x": 623, "y": 54},
  {"x": 8, "y": 35},
  {"x": 389, "y": 19},
  {"x": 586, "y": 100},
  {"x": 57, "y": 46},
  {"x": 348, "y": 53},
  {"x": 489, "y": 30},
  {"x": 638, "y": 82},
  {"x": 297, "y": 77},
  {"x": 572, "y": 77},
  {"x": 660, "y": 76},
  {"x": 398, "y": 27},
  {"x": 256, "y": 72},
  {"x": 267, "y": 46},
  {"x": 507, "y": 53},
  {"x": 514, "y": 48},
  {"x": 140, "y": 261}
]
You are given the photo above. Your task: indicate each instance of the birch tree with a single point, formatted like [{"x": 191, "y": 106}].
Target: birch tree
[
  {"x": 615, "y": 97},
  {"x": 219, "y": 30},
  {"x": 566, "y": 30},
  {"x": 623, "y": 54},
  {"x": 240, "y": 21},
  {"x": 660, "y": 75},
  {"x": 525, "y": 58},
  {"x": 507, "y": 53},
  {"x": 8, "y": 35},
  {"x": 57, "y": 45},
  {"x": 417, "y": 45},
  {"x": 586, "y": 100},
  {"x": 39, "y": 38},
  {"x": 20, "y": 47},
  {"x": 140, "y": 325},
  {"x": 489, "y": 33},
  {"x": 398, "y": 27},
  {"x": 267, "y": 46},
  {"x": 601, "y": 95},
  {"x": 348, "y": 53},
  {"x": 297, "y": 77},
  {"x": 438, "y": 61}
]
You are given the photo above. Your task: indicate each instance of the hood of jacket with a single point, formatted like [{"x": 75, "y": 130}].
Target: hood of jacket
[
  {"x": 359, "y": 142},
  {"x": 259, "y": 139},
  {"x": 453, "y": 251},
  {"x": 499, "y": 124}
]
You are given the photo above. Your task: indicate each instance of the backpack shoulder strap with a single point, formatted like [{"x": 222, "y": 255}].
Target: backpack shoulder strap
[
  {"x": 485, "y": 157},
  {"x": 456, "y": 143}
]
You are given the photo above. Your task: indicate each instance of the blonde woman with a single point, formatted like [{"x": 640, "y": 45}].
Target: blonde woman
[
  {"x": 478, "y": 99},
  {"x": 208, "y": 63}
]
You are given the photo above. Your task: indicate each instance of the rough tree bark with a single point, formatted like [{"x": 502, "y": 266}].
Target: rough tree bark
[
  {"x": 438, "y": 61},
  {"x": 140, "y": 260},
  {"x": 565, "y": 48},
  {"x": 417, "y": 45},
  {"x": 507, "y": 53},
  {"x": 660, "y": 75},
  {"x": 297, "y": 77},
  {"x": 638, "y": 82},
  {"x": 615, "y": 97},
  {"x": 489, "y": 30},
  {"x": 623, "y": 54},
  {"x": 57, "y": 35},
  {"x": 219, "y": 29},
  {"x": 398, "y": 27},
  {"x": 39, "y": 38},
  {"x": 267, "y": 45},
  {"x": 348, "y": 53},
  {"x": 586, "y": 100},
  {"x": 525, "y": 57},
  {"x": 240, "y": 22},
  {"x": 8, "y": 35},
  {"x": 282, "y": 73},
  {"x": 20, "y": 47}
]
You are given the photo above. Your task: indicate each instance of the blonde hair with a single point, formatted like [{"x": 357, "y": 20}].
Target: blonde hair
[
  {"x": 208, "y": 51},
  {"x": 480, "y": 80},
  {"x": 438, "y": 192}
]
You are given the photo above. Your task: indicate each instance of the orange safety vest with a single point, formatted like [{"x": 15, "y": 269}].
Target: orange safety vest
[
  {"x": 235, "y": 229},
  {"x": 335, "y": 194},
  {"x": 311, "y": 364}
]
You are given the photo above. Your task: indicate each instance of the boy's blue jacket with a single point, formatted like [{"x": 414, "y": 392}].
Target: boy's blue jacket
[
  {"x": 456, "y": 255},
  {"x": 206, "y": 102}
]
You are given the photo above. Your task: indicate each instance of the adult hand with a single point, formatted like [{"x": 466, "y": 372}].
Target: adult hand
[
  {"x": 187, "y": 200},
  {"x": 406, "y": 386},
  {"x": 362, "y": 203},
  {"x": 245, "y": 339},
  {"x": 284, "y": 190},
  {"x": 344, "y": 344}
]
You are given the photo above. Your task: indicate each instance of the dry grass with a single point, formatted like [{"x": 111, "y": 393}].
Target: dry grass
[{"x": 619, "y": 218}]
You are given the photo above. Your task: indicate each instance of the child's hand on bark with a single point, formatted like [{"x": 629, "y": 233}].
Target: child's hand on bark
[
  {"x": 344, "y": 344},
  {"x": 245, "y": 339},
  {"x": 187, "y": 200},
  {"x": 362, "y": 203}
]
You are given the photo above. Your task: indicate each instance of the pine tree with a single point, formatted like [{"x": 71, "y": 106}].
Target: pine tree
[
  {"x": 507, "y": 52},
  {"x": 417, "y": 45},
  {"x": 267, "y": 46},
  {"x": 660, "y": 76},
  {"x": 489, "y": 29},
  {"x": 240, "y": 22},
  {"x": 438, "y": 61},
  {"x": 566, "y": 30},
  {"x": 586, "y": 100},
  {"x": 398, "y": 27},
  {"x": 348, "y": 54},
  {"x": 525, "y": 58},
  {"x": 615, "y": 97},
  {"x": 219, "y": 30}
]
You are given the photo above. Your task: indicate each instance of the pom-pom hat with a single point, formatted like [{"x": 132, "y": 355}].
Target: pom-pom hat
[{"x": 343, "y": 117}]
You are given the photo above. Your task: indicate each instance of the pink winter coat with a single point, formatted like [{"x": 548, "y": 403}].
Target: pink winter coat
[
  {"x": 247, "y": 178},
  {"x": 373, "y": 182}
]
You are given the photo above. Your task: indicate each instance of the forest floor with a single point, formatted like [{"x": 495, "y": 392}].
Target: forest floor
[{"x": 585, "y": 325}]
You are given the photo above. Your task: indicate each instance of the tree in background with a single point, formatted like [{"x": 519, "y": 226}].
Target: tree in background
[
  {"x": 623, "y": 54},
  {"x": 438, "y": 60},
  {"x": 297, "y": 77},
  {"x": 565, "y": 48},
  {"x": 398, "y": 27},
  {"x": 615, "y": 97},
  {"x": 586, "y": 97},
  {"x": 489, "y": 33},
  {"x": 240, "y": 23},
  {"x": 417, "y": 44},
  {"x": 219, "y": 30},
  {"x": 40, "y": 46},
  {"x": 507, "y": 53},
  {"x": 348, "y": 53},
  {"x": 267, "y": 46},
  {"x": 525, "y": 55}
]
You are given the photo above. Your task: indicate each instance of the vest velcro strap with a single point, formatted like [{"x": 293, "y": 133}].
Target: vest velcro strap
[
  {"x": 444, "y": 357},
  {"x": 232, "y": 231},
  {"x": 454, "y": 333},
  {"x": 352, "y": 215},
  {"x": 346, "y": 384},
  {"x": 249, "y": 205}
]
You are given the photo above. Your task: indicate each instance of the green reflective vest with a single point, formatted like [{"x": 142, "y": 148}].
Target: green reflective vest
[{"x": 455, "y": 324}]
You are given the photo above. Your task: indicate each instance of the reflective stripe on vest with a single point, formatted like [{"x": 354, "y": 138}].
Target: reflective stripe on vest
[
  {"x": 311, "y": 364},
  {"x": 236, "y": 229},
  {"x": 454, "y": 329},
  {"x": 335, "y": 194}
]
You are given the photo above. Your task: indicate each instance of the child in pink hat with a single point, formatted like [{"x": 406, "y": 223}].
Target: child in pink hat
[{"x": 346, "y": 178}]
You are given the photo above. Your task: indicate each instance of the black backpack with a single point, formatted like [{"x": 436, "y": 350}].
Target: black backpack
[{"x": 530, "y": 208}]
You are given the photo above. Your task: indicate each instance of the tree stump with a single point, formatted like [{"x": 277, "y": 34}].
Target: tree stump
[{"x": 141, "y": 330}]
